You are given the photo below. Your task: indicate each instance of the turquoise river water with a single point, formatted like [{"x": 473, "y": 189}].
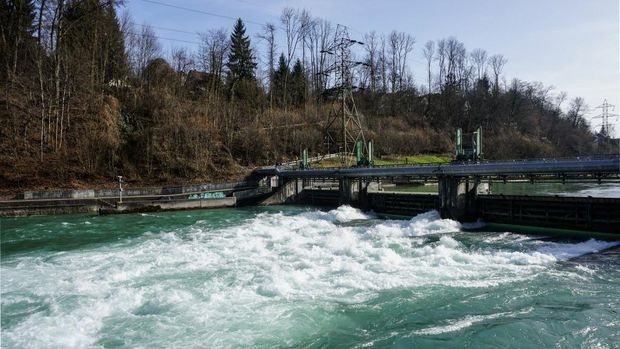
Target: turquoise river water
[{"x": 298, "y": 277}]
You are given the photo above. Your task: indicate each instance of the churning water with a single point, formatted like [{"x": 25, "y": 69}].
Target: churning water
[{"x": 299, "y": 277}]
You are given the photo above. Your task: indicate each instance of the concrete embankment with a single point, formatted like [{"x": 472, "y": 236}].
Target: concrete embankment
[{"x": 107, "y": 201}]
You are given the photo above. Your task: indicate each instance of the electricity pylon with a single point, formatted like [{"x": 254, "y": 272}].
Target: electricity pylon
[
  {"x": 343, "y": 128},
  {"x": 605, "y": 116}
]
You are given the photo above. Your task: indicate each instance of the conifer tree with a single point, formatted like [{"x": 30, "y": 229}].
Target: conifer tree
[
  {"x": 298, "y": 85},
  {"x": 17, "y": 18},
  {"x": 95, "y": 42},
  {"x": 241, "y": 62},
  {"x": 280, "y": 75}
]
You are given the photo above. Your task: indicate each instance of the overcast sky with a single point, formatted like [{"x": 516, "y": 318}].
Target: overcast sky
[{"x": 573, "y": 45}]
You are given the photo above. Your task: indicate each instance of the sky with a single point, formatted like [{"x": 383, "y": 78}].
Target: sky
[{"x": 572, "y": 45}]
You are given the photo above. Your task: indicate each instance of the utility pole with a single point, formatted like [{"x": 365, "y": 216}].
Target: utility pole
[
  {"x": 120, "y": 189},
  {"x": 605, "y": 115},
  {"x": 343, "y": 128}
]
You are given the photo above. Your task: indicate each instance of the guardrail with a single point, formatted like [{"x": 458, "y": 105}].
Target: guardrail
[
  {"x": 594, "y": 164},
  {"x": 293, "y": 164}
]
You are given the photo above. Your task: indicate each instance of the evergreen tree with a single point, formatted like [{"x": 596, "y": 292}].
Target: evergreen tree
[
  {"x": 241, "y": 62},
  {"x": 17, "y": 18},
  {"x": 117, "y": 66},
  {"x": 298, "y": 85},
  {"x": 95, "y": 42},
  {"x": 279, "y": 77}
]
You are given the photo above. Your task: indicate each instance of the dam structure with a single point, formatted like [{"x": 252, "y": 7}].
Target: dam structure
[{"x": 463, "y": 191}]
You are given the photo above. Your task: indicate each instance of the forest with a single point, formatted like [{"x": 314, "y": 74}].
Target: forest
[{"x": 87, "y": 94}]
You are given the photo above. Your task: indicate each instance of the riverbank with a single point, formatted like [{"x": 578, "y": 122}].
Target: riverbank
[
  {"x": 42, "y": 184},
  {"x": 108, "y": 201}
]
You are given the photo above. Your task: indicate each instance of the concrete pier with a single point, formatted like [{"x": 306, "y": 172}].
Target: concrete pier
[{"x": 459, "y": 198}]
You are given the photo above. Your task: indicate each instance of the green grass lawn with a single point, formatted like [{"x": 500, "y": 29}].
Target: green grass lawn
[
  {"x": 412, "y": 160},
  {"x": 392, "y": 160}
]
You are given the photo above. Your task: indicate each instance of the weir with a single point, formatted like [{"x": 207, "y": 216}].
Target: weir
[{"x": 462, "y": 191}]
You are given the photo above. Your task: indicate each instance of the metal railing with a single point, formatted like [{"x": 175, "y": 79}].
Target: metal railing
[
  {"x": 591, "y": 164},
  {"x": 507, "y": 161}
]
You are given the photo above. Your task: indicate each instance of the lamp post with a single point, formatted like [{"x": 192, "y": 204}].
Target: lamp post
[{"x": 120, "y": 189}]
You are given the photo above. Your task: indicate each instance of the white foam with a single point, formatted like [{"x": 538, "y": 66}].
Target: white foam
[
  {"x": 565, "y": 251},
  {"x": 606, "y": 190},
  {"x": 506, "y": 237},
  {"x": 342, "y": 214},
  {"x": 423, "y": 224},
  {"x": 457, "y": 325},
  {"x": 227, "y": 283}
]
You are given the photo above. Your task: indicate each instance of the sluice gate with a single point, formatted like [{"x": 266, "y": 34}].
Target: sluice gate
[
  {"x": 575, "y": 213},
  {"x": 463, "y": 191},
  {"x": 579, "y": 213},
  {"x": 402, "y": 204}
]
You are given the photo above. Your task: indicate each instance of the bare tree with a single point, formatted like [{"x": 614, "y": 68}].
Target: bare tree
[
  {"x": 294, "y": 29},
  {"x": 479, "y": 59},
  {"x": 182, "y": 60},
  {"x": 497, "y": 63},
  {"x": 454, "y": 54},
  {"x": 577, "y": 109},
  {"x": 429, "y": 55},
  {"x": 211, "y": 54},
  {"x": 320, "y": 37},
  {"x": 463, "y": 68},
  {"x": 400, "y": 45},
  {"x": 383, "y": 65},
  {"x": 307, "y": 23},
  {"x": 559, "y": 100},
  {"x": 291, "y": 20},
  {"x": 371, "y": 41},
  {"x": 268, "y": 35},
  {"x": 143, "y": 48},
  {"x": 441, "y": 61}
]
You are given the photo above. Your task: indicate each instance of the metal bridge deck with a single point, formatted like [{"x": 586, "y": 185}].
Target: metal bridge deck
[{"x": 596, "y": 167}]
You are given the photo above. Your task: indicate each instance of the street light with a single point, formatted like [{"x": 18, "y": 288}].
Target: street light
[{"x": 120, "y": 189}]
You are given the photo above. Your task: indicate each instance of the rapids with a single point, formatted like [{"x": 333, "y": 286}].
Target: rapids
[{"x": 298, "y": 277}]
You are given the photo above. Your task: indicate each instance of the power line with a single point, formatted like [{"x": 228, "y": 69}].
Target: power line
[
  {"x": 223, "y": 16},
  {"x": 216, "y": 15},
  {"x": 198, "y": 11},
  {"x": 166, "y": 29},
  {"x": 163, "y": 38}
]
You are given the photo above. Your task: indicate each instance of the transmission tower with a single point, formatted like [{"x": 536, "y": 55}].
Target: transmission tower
[
  {"x": 343, "y": 129},
  {"x": 606, "y": 127}
]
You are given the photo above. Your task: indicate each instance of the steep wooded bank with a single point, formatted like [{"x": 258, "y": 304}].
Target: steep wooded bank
[{"x": 86, "y": 97}]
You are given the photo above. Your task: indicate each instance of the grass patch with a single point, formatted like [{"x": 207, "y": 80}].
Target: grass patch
[
  {"x": 422, "y": 159},
  {"x": 391, "y": 160}
]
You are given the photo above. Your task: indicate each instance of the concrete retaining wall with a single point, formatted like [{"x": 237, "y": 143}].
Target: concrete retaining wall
[
  {"x": 48, "y": 210},
  {"x": 153, "y": 206},
  {"x": 128, "y": 191}
]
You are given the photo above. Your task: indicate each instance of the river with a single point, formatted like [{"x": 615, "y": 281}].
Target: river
[{"x": 291, "y": 277}]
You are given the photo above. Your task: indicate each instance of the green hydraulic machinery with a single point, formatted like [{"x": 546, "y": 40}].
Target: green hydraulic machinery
[
  {"x": 303, "y": 164},
  {"x": 471, "y": 151},
  {"x": 361, "y": 160}
]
